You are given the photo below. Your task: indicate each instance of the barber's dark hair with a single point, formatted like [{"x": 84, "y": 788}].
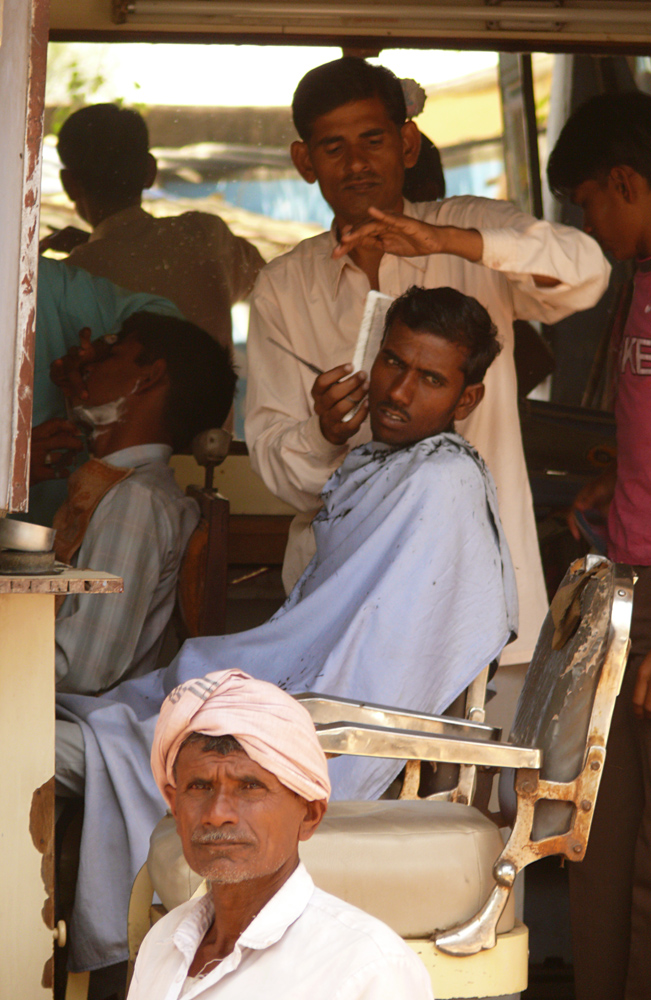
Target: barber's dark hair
[
  {"x": 328, "y": 87},
  {"x": 222, "y": 745},
  {"x": 425, "y": 181},
  {"x": 453, "y": 316},
  {"x": 609, "y": 130},
  {"x": 201, "y": 372},
  {"x": 106, "y": 148}
]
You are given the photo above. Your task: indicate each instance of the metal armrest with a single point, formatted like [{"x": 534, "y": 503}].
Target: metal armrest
[
  {"x": 363, "y": 740},
  {"x": 325, "y": 709}
]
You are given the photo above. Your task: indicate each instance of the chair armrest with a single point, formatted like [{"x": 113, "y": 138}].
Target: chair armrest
[
  {"x": 405, "y": 744},
  {"x": 325, "y": 709}
]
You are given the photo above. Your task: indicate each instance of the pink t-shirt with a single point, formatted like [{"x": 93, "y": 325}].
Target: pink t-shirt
[{"x": 629, "y": 519}]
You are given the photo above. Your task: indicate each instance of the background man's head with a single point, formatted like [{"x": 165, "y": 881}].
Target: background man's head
[
  {"x": 240, "y": 765},
  {"x": 437, "y": 347},
  {"x": 355, "y": 139},
  {"x": 602, "y": 161},
  {"x": 105, "y": 154},
  {"x": 166, "y": 369},
  {"x": 425, "y": 181}
]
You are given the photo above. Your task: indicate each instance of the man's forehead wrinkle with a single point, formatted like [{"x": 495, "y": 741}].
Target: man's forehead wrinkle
[
  {"x": 394, "y": 353},
  {"x": 236, "y": 761}
]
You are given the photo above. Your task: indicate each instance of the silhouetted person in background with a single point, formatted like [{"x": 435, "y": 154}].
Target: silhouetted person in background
[{"x": 193, "y": 259}]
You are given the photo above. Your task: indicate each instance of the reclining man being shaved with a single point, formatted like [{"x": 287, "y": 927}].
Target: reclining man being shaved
[
  {"x": 410, "y": 595},
  {"x": 240, "y": 765},
  {"x": 161, "y": 382}
]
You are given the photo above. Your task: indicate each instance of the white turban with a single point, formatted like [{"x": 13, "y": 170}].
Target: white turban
[{"x": 272, "y": 727}]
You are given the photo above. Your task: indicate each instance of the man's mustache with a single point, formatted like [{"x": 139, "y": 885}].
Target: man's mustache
[
  {"x": 388, "y": 405},
  {"x": 364, "y": 175},
  {"x": 218, "y": 837}
]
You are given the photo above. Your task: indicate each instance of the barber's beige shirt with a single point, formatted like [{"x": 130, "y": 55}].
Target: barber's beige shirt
[
  {"x": 192, "y": 259},
  {"x": 314, "y": 304}
]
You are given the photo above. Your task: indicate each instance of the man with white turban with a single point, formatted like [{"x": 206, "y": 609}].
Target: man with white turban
[{"x": 240, "y": 766}]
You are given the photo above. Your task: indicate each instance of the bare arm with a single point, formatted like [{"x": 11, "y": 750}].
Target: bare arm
[{"x": 596, "y": 495}]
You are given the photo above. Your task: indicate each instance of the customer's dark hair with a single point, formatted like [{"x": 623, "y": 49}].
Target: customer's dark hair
[
  {"x": 201, "y": 372},
  {"x": 453, "y": 316},
  {"x": 106, "y": 148},
  {"x": 222, "y": 745},
  {"x": 609, "y": 130},
  {"x": 328, "y": 87}
]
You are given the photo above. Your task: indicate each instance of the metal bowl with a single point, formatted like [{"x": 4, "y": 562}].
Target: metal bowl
[{"x": 24, "y": 536}]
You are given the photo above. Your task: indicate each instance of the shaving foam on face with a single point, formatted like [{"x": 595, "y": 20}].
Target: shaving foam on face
[{"x": 98, "y": 418}]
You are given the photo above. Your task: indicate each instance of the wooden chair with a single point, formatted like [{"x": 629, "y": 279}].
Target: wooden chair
[
  {"x": 227, "y": 549},
  {"x": 438, "y": 872},
  {"x": 203, "y": 576}
]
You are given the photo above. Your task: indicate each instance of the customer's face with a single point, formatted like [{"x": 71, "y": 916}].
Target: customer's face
[
  {"x": 237, "y": 822},
  {"x": 418, "y": 387},
  {"x": 116, "y": 373},
  {"x": 358, "y": 156}
]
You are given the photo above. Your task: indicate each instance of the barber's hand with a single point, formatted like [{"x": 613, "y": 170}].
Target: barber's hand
[
  {"x": 333, "y": 399},
  {"x": 68, "y": 372},
  {"x": 596, "y": 495},
  {"x": 55, "y": 445},
  {"x": 64, "y": 240},
  {"x": 642, "y": 692},
  {"x": 406, "y": 237}
]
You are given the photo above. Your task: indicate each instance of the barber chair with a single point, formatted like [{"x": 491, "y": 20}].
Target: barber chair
[
  {"x": 237, "y": 540},
  {"x": 202, "y": 579},
  {"x": 438, "y": 872}
]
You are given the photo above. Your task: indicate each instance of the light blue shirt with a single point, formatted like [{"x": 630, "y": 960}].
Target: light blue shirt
[
  {"x": 68, "y": 299},
  {"x": 139, "y": 531}
]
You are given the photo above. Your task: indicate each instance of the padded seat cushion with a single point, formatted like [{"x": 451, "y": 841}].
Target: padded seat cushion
[{"x": 418, "y": 866}]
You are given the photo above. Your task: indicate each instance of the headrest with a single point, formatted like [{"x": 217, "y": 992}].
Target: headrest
[{"x": 211, "y": 447}]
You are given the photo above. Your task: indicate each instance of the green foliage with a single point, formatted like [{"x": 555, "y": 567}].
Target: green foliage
[
  {"x": 80, "y": 86},
  {"x": 79, "y": 89}
]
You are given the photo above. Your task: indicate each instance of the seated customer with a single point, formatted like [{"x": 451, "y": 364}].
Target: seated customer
[
  {"x": 69, "y": 300},
  {"x": 163, "y": 381},
  {"x": 240, "y": 765},
  {"x": 193, "y": 259},
  {"x": 410, "y": 595}
]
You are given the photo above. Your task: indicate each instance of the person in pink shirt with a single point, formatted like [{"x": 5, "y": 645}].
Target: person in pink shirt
[{"x": 603, "y": 161}]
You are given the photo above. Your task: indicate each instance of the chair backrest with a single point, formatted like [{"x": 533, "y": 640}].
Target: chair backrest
[
  {"x": 202, "y": 582},
  {"x": 567, "y": 699},
  {"x": 254, "y": 543},
  {"x": 203, "y": 577}
]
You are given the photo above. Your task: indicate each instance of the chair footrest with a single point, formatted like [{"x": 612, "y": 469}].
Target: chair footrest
[{"x": 495, "y": 973}]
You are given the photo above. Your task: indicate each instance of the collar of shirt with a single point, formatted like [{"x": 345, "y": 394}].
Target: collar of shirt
[
  {"x": 118, "y": 220},
  {"x": 265, "y": 929},
  {"x": 335, "y": 268},
  {"x": 139, "y": 454}
]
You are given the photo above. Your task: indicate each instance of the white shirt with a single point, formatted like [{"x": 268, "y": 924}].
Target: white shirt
[
  {"x": 303, "y": 945},
  {"x": 139, "y": 531},
  {"x": 314, "y": 305}
]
